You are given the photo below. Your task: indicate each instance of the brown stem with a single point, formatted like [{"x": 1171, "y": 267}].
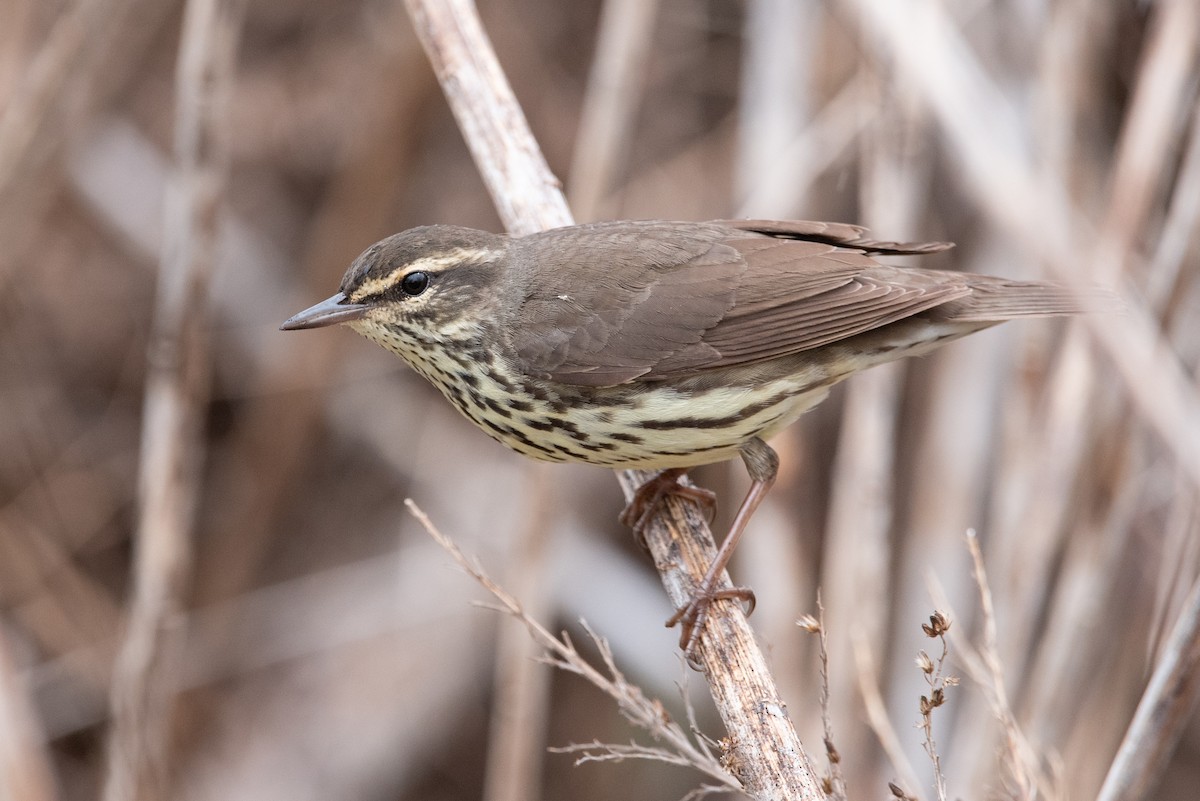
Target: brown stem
[
  {"x": 176, "y": 390},
  {"x": 765, "y": 753}
]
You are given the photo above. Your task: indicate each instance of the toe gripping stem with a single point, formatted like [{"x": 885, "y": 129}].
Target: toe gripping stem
[{"x": 762, "y": 464}]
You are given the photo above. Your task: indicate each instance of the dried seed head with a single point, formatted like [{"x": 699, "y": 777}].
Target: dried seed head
[
  {"x": 809, "y": 624},
  {"x": 924, "y": 663},
  {"x": 938, "y": 625}
]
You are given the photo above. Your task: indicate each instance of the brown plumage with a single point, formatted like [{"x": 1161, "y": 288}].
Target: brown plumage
[
  {"x": 655, "y": 301},
  {"x": 660, "y": 344}
]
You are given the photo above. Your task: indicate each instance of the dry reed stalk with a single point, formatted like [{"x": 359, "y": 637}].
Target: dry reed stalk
[
  {"x": 856, "y": 581},
  {"x": 516, "y": 736},
  {"x": 370, "y": 418},
  {"x": 26, "y": 773},
  {"x": 1167, "y": 705},
  {"x": 611, "y": 102},
  {"x": 522, "y": 689},
  {"x": 768, "y": 757},
  {"x": 275, "y": 441},
  {"x": 176, "y": 392},
  {"x": 86, "y": 57}
]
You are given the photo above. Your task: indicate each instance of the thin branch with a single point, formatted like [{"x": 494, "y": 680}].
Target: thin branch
[
  {"x": 938, "y": 681},
  {"x": 176, "y": 389},
  {"x": 770, "y": 758},
  {"x": 615, "y": 87},
  {"x": 985, "y": 133},
  {"x": 1022, "y": 770},
  {"x": 521, "y": 694},
  {"x": 986, "y": 669},
  {"x": 25, "y": 768},
  {"x": 1165, "y": 708},
  {"x": 645, "y": 713},
  {"x": 876, "y": 709},
  {"x": 527, "y": 195},
  {"x": 836, "y": 783}
]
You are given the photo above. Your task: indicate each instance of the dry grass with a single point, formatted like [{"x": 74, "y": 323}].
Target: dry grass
[{"x": 325, "y": 653}]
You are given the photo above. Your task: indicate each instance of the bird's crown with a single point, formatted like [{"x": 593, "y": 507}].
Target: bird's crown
[{"x": 407, "y": 265}]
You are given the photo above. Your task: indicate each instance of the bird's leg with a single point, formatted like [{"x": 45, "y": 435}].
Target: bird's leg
[
  {"x": 762, "y": 464},
  {"x": 649, "y": 497}
]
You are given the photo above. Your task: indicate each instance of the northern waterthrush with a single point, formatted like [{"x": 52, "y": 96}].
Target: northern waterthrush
[{"x": 660, "y": 345}]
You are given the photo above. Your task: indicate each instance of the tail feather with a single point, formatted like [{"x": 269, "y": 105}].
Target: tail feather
[{"x": 997, "y": 299}]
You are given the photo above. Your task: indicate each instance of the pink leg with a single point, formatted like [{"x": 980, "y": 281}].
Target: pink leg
[{"x": 762, "y": 465}]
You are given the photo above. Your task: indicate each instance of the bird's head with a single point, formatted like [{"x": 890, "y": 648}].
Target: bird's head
[{"x": 421, "y": 287}]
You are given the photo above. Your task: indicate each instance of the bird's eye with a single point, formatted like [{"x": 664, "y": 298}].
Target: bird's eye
[{"x": 414, "y": 283}]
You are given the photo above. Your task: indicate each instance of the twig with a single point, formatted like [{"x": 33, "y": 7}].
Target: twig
[
  {"x": 1023, "y": 771},
  {"x": 175, "y": 391},
  {"x": 639, "y": 710},
  {"x": 25, "y": 770},
  {"x": 938, "y": 681},
  {"x": 836, "y": 783},
  {"x": 1165, "y": 708},
  {"x": 521, "y": 691},
  {"x": 877, "y": 716},
  {"x": 986, "y": 669},
  {"x": 770, "y": 758},
  {"x": 983, "y": 130},
  {"x": 615, "y": 85},
  {"x": 84, "y": 58}
]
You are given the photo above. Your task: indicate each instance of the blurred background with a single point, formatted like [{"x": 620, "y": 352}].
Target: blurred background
[{"x": 309, "y": 641}]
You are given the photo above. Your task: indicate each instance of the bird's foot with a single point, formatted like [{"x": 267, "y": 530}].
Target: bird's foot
[
  {"x": 650, "y": 496},
  {"x": 692, "y": 616}
]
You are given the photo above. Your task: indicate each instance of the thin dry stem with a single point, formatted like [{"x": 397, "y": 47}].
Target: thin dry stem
[
  {"x": 623, "y": 48},
  {"x": 934, "y": 673},
  {"x": 645, "y": 713},
  {"x": 176, "y": 391},
  {"x": 876, "y": 709},
  {"x": 836, "y": 782},
  {"x": 1022, "y": 771},
  {"x": 522, "y": 692},
  {"x": 1017, "y": 754},
  {"x": 1165, "y": 708},
  {"x": 771, "y": 758},
  {"x": 25, "y": 768}
]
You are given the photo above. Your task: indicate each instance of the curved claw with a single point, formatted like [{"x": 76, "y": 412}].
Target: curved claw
[
  {"x": 692, "y": 616},
  {"x": 650, "y": 496}
]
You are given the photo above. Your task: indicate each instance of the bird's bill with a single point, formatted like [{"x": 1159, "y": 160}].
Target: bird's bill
[{"x": 337, "y": 309}]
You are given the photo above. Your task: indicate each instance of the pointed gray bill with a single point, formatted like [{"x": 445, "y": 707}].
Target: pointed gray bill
[{"x": 336, "y": 309}]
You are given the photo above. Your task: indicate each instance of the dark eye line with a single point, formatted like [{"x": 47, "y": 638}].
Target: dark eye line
[{"x": 397, "y": 291}]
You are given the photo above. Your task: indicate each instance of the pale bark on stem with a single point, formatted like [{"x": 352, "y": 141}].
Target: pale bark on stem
[
  {"x": 521, "y": 702},
  {"x": 83, "y": 60},
  {"x": 615, "y": 88},
  {"x": 26, "y": 772},
  {"x": 765, "y": 753},
  {"x": 176, "y": 389},
  {"x": 1165, "y": 708}
]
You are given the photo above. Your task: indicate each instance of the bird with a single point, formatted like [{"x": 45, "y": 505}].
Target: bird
[{"x": 661, "y": 345}]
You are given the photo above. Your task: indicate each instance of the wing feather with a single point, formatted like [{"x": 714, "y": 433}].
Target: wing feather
[{"x": 656, "y": 300}]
